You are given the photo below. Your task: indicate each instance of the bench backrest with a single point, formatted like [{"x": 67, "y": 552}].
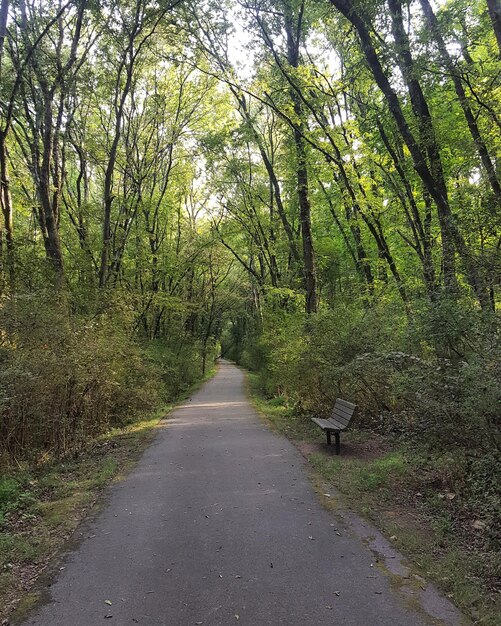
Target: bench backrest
[{"x": 343, "y": 411}]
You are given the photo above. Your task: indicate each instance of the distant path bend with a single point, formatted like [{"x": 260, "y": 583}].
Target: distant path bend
[{"x": 219, "y": 525}]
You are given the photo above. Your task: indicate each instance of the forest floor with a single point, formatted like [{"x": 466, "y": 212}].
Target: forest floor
[
  {"x": 42, "y": 503},
  {"x": 386, "y": 484}
]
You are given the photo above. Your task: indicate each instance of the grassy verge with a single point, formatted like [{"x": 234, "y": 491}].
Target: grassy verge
[
  {"x": 410, "y": 497},
  {"x": 41, "y": 505}
]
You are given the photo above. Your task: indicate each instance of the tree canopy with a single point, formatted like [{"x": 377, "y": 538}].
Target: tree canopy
[
  {"x": 311, "y": 188},
  {"x": 186, "y": 173}
]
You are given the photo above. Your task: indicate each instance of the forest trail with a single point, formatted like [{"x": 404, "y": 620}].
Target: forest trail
[{"x": 219, "y": 524}]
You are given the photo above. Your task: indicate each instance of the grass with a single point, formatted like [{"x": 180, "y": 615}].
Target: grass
[
  {"x": 363, "y": 476},
  {"x": 41, "y": 505},
  {"x": 399, "y": 492}
]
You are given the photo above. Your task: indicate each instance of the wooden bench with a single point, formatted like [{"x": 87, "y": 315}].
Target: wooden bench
[{"x": 338, "y": 421}]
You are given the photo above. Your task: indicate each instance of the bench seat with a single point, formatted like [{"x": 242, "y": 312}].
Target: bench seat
[{"x": 338, "y": 421}]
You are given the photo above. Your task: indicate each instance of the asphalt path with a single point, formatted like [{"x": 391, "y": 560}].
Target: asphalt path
[{"x": 218, "y": 524}]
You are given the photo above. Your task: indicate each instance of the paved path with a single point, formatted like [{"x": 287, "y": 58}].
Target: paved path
[{"x": 219, "y": 525}]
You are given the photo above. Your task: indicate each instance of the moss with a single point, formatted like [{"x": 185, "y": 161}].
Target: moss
[{"x": 25, "y": 606}]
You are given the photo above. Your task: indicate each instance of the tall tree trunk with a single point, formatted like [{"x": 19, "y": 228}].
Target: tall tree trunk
[
  {"x": 4, "y": 14},
  {"x": 463, "y": 100},
  {"x": 272, "y": 176},
  {"x": 427, "y": 138},
  {"x": 107, "y": 202},
  {"x": 358, "y": 255},
  {"x": 494, "y": 7},
  {"x": 6, "y": 205},
  {"x": 5, "y": 195},
  {"x": 421, "y": 233},
  {"x": 121, "y": 94},
  {"x": 293, "y": 42},
  {"x": 47, "y": 194},
  {"x": 447, "y": 222}
]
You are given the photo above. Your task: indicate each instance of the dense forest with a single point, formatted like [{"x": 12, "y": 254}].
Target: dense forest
[{"x": 311, "y": 188}]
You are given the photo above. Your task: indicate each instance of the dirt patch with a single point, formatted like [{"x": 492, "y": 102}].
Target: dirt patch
[{"x": 368, "y": 450}]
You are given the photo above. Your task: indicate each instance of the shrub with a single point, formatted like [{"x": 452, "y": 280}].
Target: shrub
[
  {"x": 418, "y": 393},
  {"x": 65, "y": 378}
]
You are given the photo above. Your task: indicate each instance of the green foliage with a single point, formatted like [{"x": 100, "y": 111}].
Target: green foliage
[
  {"x": 65, "y": 379},
  {"x": 161, "y": 209},
  {"x": 363, "y": 477},
  {"x": 381, "y": 472},
  {"x": 17, "y": 493},
  {"x": 8, "y": 490},
  {"x": 9, "y": 495},
  {"x": 178, "y": 363},
  {"x": 357, "y": 354}
]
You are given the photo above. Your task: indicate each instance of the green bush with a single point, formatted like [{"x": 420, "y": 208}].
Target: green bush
[
  {"x": 402, "y": 383},
  {"x": 64, "y": 377},
  {"x": 179, "y": 363},
  {"x": 9, "y": 493}
]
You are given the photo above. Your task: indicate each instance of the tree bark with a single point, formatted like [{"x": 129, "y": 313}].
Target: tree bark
[
  {"x": 427, "y": 138},
  {"x": 293, "y": 41},
  {"x": 273, "y": 179},
  {"x": 421, "y": 233},
  {"x": 6, "y": 205},
  {"x": 463, "y": 100},
  {"x": 4, "y": 13},
  {"x": 494, "y": 7},
  {"x": 446, "y": 219}
]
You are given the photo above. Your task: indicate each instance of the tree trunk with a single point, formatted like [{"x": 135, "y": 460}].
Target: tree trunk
[
  {"x": 6, "y": 205},
  {"x": 127, "y": 63},
  {"x": 421, "y": 233},
  {"x": 358, "y": 255},
  {"x": 447, "y": 223},
  {"x": 311, "y": 303},
  {"x": 273, "y": 179},
  {"x": 494, "y": 7},
  {"x": 427, "y": 139},
  {"x": 48, "y": 195},
  {"x": 463, "y": 100},
  {"x": 4, "y": 14}
]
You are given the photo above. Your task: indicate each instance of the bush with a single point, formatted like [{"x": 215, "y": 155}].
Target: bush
[
  {"x": 178, "y": 361},
  {"x": 420, "y": 393},
  {"x": 65, "y": 378}
]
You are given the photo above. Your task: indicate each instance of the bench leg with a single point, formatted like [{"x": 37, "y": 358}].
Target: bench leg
[
  {"x": 328, "y": 433},
  {"x": 338, "y": 443}
]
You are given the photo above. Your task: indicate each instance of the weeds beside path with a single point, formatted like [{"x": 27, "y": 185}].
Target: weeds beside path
[
  {"x": 42, "y": 505},
  {"x": 403, "y": 493}
]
